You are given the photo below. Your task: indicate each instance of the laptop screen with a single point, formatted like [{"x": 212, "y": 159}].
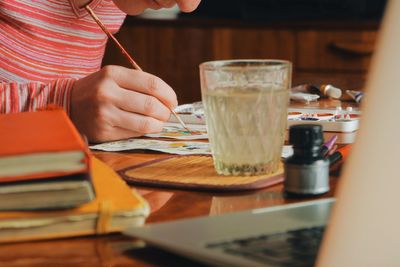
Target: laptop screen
[{"x": 364, "y": 228}]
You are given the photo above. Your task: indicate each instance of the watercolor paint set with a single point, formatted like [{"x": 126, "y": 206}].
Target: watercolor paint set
[{"x": 332, "y": 120}]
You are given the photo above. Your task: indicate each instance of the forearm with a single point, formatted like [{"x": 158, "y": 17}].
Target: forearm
[{"x": 19, "y": 97}]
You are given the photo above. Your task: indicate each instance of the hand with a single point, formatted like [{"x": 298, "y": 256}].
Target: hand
[
  {"x": 138, "y": 6},
  {"x": 117, "y": 103}
]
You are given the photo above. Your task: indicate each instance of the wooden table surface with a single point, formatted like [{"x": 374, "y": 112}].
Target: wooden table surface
[{"x": 118, "y": 250}]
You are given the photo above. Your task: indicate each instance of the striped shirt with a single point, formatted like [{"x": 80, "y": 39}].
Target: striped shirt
[{"x": 45, "y": 46}]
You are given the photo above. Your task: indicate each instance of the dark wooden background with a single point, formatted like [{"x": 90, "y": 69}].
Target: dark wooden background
[{"x": 322, "y": 52}]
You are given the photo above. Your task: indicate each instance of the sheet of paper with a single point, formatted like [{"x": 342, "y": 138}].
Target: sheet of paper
[
  {"x": 171, "y": 147},
  {"x": 176, "y": 131}
]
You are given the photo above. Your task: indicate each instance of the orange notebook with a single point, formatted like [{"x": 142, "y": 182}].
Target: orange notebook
[
  {"x": 116, "y": 206},
  {"x": 38, "y": 145}
]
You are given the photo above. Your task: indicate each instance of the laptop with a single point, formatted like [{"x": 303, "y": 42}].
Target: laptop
[{"x": 360, "y": 228}]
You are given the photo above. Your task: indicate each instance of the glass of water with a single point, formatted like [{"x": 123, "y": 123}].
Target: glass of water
[{"x": 245, "y": 104}]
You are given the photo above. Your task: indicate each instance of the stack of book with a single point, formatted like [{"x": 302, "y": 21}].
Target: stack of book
[
  {"x": 44, "y": 163},
  {"x": 51, "y": 186}
]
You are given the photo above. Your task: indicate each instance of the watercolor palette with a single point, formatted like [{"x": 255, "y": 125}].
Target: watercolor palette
[
  {"x": 330, "y": 119},
  {"x": 333, "y": 125}
]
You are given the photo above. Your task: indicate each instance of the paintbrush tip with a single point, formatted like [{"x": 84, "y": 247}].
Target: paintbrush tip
[{"x": 181, "y": 121}]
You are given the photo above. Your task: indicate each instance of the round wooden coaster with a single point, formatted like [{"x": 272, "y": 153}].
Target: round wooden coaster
[{"x": 196, "y": 173}]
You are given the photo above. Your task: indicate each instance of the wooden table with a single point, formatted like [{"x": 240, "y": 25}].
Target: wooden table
[{"x": 118, "y": 250}]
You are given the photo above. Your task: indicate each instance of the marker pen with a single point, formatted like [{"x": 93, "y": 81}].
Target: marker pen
[
  {"x": 339, "y": 154},
  {"x": 328, "y": 145},
  {"x": 356, "y": 95}
]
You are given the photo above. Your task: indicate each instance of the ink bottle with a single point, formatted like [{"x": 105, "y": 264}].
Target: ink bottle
[{"x": 307, "y": 171}]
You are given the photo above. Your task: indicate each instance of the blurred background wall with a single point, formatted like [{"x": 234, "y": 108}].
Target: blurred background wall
[{"x": 328, "y": 41}]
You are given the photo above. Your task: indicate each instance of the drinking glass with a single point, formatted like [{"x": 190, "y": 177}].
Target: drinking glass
[{"x": 245, "y": 104}]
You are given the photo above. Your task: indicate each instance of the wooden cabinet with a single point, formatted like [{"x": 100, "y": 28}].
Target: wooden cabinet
[
  {"x": 338, "y": 53},
  {"x": 339, "y": 57}
]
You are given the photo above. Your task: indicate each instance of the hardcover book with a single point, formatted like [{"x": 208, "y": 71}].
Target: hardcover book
[
  {"x": 115, "y": 207},
  {"x": 44, "y": 163}
]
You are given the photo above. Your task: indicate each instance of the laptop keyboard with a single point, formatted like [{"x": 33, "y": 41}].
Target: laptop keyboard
[{"x": 292, "y": 248}]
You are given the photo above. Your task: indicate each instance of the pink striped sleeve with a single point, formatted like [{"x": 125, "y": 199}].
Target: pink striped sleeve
[{"x": 19, "y": 97}]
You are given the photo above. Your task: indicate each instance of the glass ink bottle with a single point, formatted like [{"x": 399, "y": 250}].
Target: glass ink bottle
[{"x": 306, "y": 172}]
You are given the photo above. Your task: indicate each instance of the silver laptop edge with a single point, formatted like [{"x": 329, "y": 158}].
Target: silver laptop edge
[{"x": 189, "y": 237}]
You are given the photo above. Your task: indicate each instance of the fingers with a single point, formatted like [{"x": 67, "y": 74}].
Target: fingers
[
  {"x": 123, "y": 125},
  {"x": 147, "y": 105},
  {"x": 136, "y": 7},
  {"x": 165, "y": 3},
  {"x": 117, "y": 133},
  {"x": 188, "y": 5},
  {"x": 135, "y": 123},
  {"x": 143, "y": 82},
  {"x": 116, "y": 103}
]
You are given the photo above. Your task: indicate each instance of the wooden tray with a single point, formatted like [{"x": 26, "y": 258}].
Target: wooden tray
[{"x": 194, "y": 172}]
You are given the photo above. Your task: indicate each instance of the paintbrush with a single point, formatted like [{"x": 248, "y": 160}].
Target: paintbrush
[{"x": 126, "y": 54}]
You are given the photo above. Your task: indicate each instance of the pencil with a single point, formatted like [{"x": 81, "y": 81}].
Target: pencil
[{"x": 126, "y": 54}]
